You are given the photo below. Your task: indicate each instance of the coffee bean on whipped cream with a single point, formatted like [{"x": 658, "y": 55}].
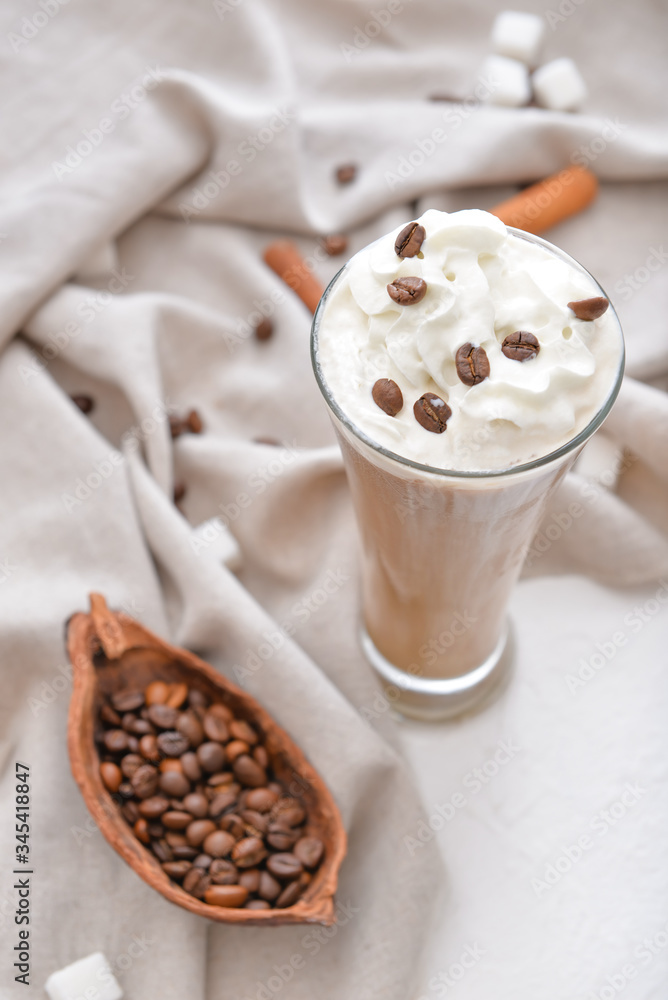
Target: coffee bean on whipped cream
[
  {"x": 409, "y": 240},
  {"x": 387, "y": 395},
  {"x": 472, "y": 364},
  {"x": 589, "y": 309},
  {"x": 407, "y": 291},
  {"x": 520, "y": 346},
  {"x": 432, "y": 412}
]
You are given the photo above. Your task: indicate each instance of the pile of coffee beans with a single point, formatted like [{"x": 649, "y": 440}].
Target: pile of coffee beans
[{"x": 195, "y": 784}]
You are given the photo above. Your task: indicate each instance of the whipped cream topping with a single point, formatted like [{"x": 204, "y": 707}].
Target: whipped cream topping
[{"x": 483, "y": 284}]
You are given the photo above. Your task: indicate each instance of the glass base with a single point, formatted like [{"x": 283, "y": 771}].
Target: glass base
[{"x": 433, "y": 699}]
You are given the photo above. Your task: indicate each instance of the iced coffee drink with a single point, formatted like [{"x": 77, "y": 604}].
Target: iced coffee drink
[{"x": 465, "y": 364}]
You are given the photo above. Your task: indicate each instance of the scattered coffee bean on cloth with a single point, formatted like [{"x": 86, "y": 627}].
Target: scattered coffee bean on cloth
[{"x": 196, "y": 785}]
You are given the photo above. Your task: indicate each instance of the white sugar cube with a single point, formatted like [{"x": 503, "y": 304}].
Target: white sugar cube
[
  {"x": 518, "y": 35},
  {"x": 558, "y": 85},
  {"x": 90, "y": 978},
  {"x": 507, "y": 81}
]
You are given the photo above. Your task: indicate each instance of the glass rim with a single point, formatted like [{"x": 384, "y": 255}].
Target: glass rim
[{"x": 571, "y": 445}]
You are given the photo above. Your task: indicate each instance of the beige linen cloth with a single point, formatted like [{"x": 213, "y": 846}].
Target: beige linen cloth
[{"x": 150, "y": 151}]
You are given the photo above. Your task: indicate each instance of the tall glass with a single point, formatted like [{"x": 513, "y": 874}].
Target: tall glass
[{"x": 441, "y": 551}]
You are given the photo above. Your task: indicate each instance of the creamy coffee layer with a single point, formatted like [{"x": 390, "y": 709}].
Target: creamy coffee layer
[{"x": 454, "y": 343}]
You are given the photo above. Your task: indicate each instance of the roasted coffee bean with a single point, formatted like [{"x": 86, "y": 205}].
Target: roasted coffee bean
[
  {"x": 589, "y": 309},
  {"x": 180, "y": 490},
  {"x": 409, "y": 241},
  {"x": 108, "y": 715},
  {"x": 234, "y": 824},
  {"x": 162, "y": 716},
  {"x": 211, "y": 757},
  {"x": 170, "y": 764},
  {"x": 193, "y": 879},
  {"x": 176, "y": 820},
  {"x": 407, "y": 291},
  {"x": 221, "y": 802},
  {"x": 218, "y": 844},
  {"x": 131, "y": 763},
  {"x": 215, "y": 727},
  {"x": 223, "y": 872},
  {"x": 432, "y": 412},
  {"x": 174, "y": 783},
  {"x": 176, "y": 869},
  {"x": 334, "y": 244},
  {"x": 249, "y": 772},
  {"x": 127, "y": 721},
  {"x": 256, "y": 820},
  {"x": 269, "y": 888},
  {"x": 222, "y": 712},
  {"x": 264, "y": 329},
  {"x": 140, "y": 830},
  {"x": 171, "y": 743},
  {"x": 226, "y": 895},
  {"x": 346, "y": 173},
  {"x": 520, "y": 346},
  {"x": 140, "y": 727},
  {"x": 154, "y": 807},
  {"x": 156, "y": 693},
  {"x": 196, "y": 881},
  {"x": 196, "y": 804},
  {"x": 309, "y": 851},
  {"x": 179, "y": 692},
  {"x": 127, "y": 701},
  {"x": 191, "y": 766},
  {"x": 235, "y": 748},
  {"x": 133, "y": 743},
  {"x": 248, "y": 852},
  {"x": 241, "y": 730},
  {"x": 290, "y": 895},
  {"x": 85, "y": 403},
  {"x": 199, "y": 830},
  {"x": 162, "y": 851},
  {"x": 388, "y": 396},
  {"x": 281, "y": 838},
  {"x": 257, "y": 904},
  {"x": 145, "y": 782},
  {"x": 184, "y": 853},
  {"x": 126, "y": 790},
  {"x": 197, "y": 699},
  {"x": 260, "y": 799},
  {"x": 284, "y": 867},
  {"x": 288, "y": 812},
  {"x": 261, "y": 757},
  {"x": 155, "y": 829},
  {"x": 191, "y": 727},
  {"x": 250, "y": 879},
  {"x": 472, "y": 364},
  {"x": 223, "y": 781},
  {"x": 148, "y": 747},
  {"x": 203, "y": 861},
  {"x": 111, "y": 776},
  {"x": 176, "y": 839},
  {"x": 115, "y": 740},
  {"x": 130, "y": 812}
]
